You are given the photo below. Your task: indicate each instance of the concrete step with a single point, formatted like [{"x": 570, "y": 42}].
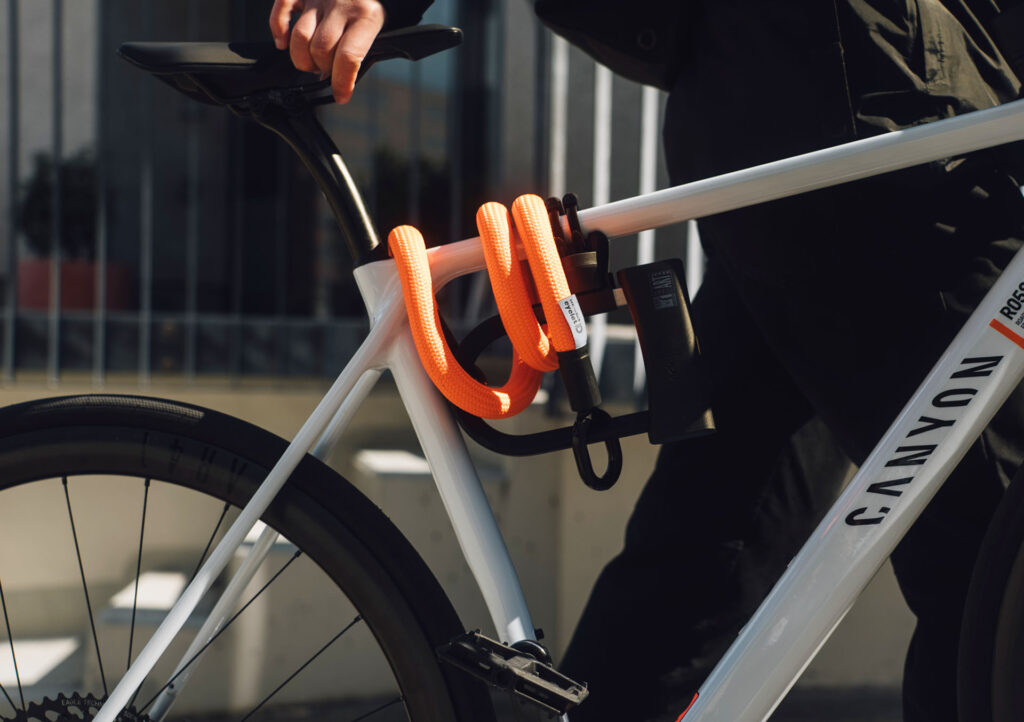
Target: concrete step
[{"x": 45, "y": 667}]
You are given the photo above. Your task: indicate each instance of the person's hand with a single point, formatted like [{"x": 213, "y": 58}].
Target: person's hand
[{"x": 331, "y": 37}]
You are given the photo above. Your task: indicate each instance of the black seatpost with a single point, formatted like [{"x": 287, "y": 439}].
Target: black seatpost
[{"x": 290, "y": 115}]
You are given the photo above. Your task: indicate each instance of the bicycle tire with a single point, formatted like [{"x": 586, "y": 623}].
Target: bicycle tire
[
  {"x": 991, "y": 654},
  {"x": 91, "y": 441}
]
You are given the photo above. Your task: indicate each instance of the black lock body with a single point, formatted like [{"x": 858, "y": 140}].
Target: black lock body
[{"x": 678, "y": 392}]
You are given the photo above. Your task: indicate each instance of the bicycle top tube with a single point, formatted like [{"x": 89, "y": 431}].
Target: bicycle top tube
[{"x": 256, "y": 80}]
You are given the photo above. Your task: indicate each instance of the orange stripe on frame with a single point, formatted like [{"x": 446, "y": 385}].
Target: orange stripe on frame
[
  {"x": 680, "y": 719},
  {"x": 1003, "y": 329}
]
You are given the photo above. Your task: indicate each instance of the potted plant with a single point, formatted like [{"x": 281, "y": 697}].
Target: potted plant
[{"x": 77, "y": 238}]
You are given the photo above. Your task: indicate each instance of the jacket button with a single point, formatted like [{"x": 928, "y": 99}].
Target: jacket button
[{"x": 646, "y": 39}]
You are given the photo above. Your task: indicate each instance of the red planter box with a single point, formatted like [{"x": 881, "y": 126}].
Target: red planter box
[{"x": 77, "y": 287}]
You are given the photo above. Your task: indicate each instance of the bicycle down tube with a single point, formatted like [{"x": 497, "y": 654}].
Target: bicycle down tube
[
  {"x": 853, "y": 553},
  {"x": 951, "y": 408}
]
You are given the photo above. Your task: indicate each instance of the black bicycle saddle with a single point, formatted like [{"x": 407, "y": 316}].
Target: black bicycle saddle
[{"x": 223, "y": 73}]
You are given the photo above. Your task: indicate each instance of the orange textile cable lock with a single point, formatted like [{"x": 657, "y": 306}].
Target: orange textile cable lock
[
  {"x": 678, "y": 395},
  {"x": 536, "y": 349}
]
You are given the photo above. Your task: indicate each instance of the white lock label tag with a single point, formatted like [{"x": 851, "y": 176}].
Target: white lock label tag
[{"x": 574, "y": 317}]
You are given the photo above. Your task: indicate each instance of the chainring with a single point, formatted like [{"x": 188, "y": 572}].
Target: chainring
[{"x": 75, "y": 708}]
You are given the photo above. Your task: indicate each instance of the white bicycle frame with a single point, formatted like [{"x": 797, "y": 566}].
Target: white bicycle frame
[{"x": 952, "y": 406}]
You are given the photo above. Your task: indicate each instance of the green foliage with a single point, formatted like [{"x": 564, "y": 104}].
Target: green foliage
[{"x": 77, "y": 179}]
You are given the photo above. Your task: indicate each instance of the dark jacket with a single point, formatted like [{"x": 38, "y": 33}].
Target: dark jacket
[
  {"x": 766, "y": 79},
  {"x": 759, "y": 80}
]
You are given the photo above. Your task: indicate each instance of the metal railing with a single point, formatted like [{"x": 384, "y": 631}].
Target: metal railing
[
  {"x": 647, "y": 141},
  {"x": 108, "y": 337},
  {"x": 47, "y": 336}
]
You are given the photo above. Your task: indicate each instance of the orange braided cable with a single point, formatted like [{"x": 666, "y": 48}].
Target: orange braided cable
[
  {"x": 406, "y": 245},
  {"x": 510, "y": 291},
  {"x": 531, "y": 344},
  {"x": 531, "y": 219}
]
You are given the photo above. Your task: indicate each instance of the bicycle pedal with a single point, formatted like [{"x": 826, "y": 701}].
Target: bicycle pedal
[{"x": 522, "y": 674}]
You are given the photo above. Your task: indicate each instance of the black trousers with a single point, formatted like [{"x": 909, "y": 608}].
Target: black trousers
[{"x": 817, "y": 318}]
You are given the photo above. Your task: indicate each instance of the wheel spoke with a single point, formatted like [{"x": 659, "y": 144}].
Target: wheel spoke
[
  {"x": 138, "y": 573},
  {"x": 14, "y": 659},
  {"x": 209, "y": 542},
  {"x": 377, "y": 710},
  {"x": 305, "y": 664},
  {"x": 85, "y": 587},
  {"x": 220, "y": 631},
  {"x": 11, "y": 701}
]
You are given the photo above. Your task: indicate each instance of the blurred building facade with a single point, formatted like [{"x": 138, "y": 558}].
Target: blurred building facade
[{"x": 191, "y": 243}]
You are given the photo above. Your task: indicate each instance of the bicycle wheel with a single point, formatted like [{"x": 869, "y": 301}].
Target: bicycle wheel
[
  {"x": 109, "y": 503},
  {"x": 990, "y": 685}
]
